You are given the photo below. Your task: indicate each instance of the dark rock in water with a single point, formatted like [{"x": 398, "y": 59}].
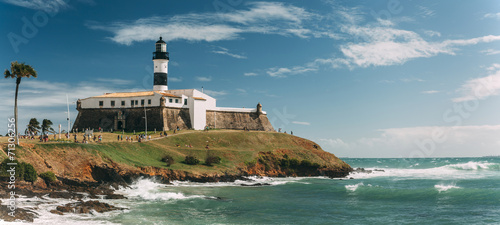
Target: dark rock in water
[
  {"x": 19, "y": 214},
  {"x": 85, "y": 207},
  {"x": 379, "y": 170},
  {"x": 351, "y": 178},
  {"x": 66, "y": 195},
  {"x": 255, "y": 185},
  {"x": 361, "y": 170},
  {"x": 114, "y": 196},
  {"x": 56, "y": 212}
]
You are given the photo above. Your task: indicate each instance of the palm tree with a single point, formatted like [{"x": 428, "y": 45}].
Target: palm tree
[
  {"x": 18, "y": 71},
  {"x": 46, "y": 126},
  {"x": 33, "y": 126}
]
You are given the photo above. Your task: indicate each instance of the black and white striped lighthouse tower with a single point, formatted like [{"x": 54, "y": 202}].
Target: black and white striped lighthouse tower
[{"x": 160, "y": 59}]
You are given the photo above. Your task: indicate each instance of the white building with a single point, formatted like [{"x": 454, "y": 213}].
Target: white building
[{"x": 197, "y": 102}]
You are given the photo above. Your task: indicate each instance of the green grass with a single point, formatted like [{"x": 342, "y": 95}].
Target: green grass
[{"x": 234, "y": 147}]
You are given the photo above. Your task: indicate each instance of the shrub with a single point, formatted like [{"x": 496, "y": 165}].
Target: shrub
[
  {"x": 30, "y": 174},
  {"x": 250, "y": 164},
  {"x": 210, "y": 160},
  {"x": 306, "y": 163},
  {"x": 294, "y": 163},
  {"x": 191, "y": 160},
  {"x": 285, "y": 163},
  {"x": 48, "y": 177},
  {"x": 168, "y": 159}
]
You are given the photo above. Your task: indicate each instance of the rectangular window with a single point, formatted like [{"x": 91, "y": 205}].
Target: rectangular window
[
  {"x": 112, "y": 103},
  {"x": 176, "y": 100},
  {"x": 149, "y": 101},
  {"x": 185, "y": 101},
  {"x": 101, "y": 103},
  {"x": 123, "y": 103},
  {"x": 170, "y": 100},
  {"x": 136, "y": 102},
  {"x": 142, "y": 101},
  {"x": 131, "y": 102}
]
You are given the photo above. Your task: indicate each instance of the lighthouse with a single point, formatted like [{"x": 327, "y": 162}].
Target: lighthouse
[{"x": 160, "y": 60}]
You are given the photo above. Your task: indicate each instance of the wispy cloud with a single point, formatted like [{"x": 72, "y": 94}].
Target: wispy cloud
[
  {"x": 215, "y": 93},
  {"x": 283, "y": 72},
  {"x": 174, "y": 79},
  {"x": 204, "y": 79},
  {"x": 411, "y": 142},
  {"x": 250, "y": 74},
  {"x": 481, "y": 88},
  {"x": 411, "y": 79},
  {"x": 490, "y": 52},
  {"x": 432, "y": 33},
  {"x": 225, "y": 51},
  {"x": 492, "y": 15},
  {"x": 301, "y": 123},
  {"x": 425, "y": 12},
  {"x": 430, "y": 92},
  {"x": 382, "y": 44},
  {"x": 49, "y": 6},
  {"x": 259, "y": 17}
]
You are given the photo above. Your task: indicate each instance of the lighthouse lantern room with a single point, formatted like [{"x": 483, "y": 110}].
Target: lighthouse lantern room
[{"x": 160, "y": 59}]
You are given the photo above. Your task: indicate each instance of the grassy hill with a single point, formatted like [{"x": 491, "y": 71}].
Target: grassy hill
[{"x": 252, "y": 153}]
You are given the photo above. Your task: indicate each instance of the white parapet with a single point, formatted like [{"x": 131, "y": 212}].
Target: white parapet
[{"x": 245, "y": 110}]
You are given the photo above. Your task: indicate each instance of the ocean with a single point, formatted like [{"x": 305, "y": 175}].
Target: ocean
[{"x": 400, "y": 191}]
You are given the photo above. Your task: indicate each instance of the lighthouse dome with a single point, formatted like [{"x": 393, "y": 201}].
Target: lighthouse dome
[{"x": 160, "y": 41}]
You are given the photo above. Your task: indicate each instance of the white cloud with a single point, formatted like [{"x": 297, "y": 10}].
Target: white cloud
[
  {"x": 430, "y": 92},
  {"x": 204, "y": 79},
  {"x": 492, "y": 15},
  {"x": 425, "y": 12},
  {"x": 481, "y": 88},
  {"x": 412, "y": 79},
  {"x": 260, "y": 17},
  {"x": 241, "y": 90},
  {"x": 436, "y": 141},
  {"x": 301, "y": 123},
  {"x": 225, "y": 51},
  {"x": 491, "y": 52},
  {"x": 432, "y": 33},
  {"x": 283, "y": 72},
  {"x": 333, "y": 143},
  {"x": 49, "y": 6},
  {"x": 250, "y": 74},
  {"x": 215, "y": 93},
  {"x": 174, "y": 79}
]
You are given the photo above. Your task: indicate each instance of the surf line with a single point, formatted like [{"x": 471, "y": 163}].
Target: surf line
[{"x": 11, "y": 166}]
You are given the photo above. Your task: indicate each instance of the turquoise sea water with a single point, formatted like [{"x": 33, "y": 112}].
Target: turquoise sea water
[{"x": 408, "y": 191}]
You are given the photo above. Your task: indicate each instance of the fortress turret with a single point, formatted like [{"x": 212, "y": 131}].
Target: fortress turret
[
  {"x": 160, "y": 60},
  {"x": 259, "y": 109}
]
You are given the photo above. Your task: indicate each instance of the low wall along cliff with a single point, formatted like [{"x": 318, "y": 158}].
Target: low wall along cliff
[{"x": 163, "y": 118}]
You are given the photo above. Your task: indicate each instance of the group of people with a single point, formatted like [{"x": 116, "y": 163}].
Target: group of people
[
  {"x": 87, "y": 138},
  {"x": 279, "y": 131}
]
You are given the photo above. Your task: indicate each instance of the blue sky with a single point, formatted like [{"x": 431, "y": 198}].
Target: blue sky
[{"x": 362, "y": 78}]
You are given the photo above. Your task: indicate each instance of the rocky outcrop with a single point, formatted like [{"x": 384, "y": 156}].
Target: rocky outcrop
[{"x": 82, "y": 207}]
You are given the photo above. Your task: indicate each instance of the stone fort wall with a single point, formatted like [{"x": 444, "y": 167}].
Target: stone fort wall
[
  {"x": 164, "y": 118},
  {"x": 238, "y": 120}
]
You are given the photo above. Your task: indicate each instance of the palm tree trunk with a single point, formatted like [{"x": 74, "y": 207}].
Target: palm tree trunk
[{"x": 18, "y": 81}]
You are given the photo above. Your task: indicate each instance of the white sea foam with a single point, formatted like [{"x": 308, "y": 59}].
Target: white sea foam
[
  {"x": 253, "y": 180},
  {"x": 147, "y": 189},
  {"x": 444, "y": 187},
  {"x": 42, "y": 207},
  {"x": 353, "y": 187},
  {"x": 469, "y": 170}
]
